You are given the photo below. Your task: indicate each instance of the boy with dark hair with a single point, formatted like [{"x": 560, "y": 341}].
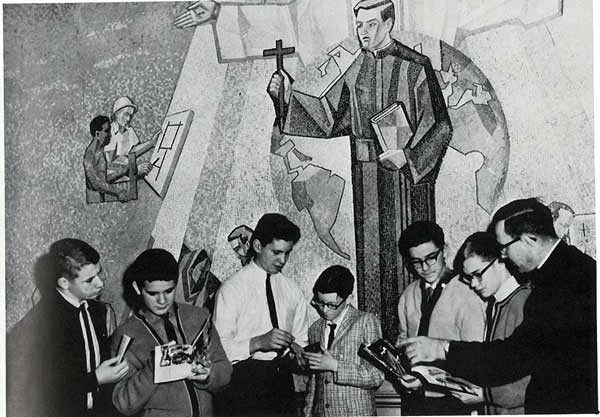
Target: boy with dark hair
[
  {"x": 63, "y": 341},
  {"x": 262, "y": 316},
  {"x": 157, "y": 320},
  {"x": 437, "y": 304},
  {"x": 339, "y": 333}
]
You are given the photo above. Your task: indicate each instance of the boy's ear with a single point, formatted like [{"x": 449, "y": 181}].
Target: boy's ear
[
  {"x": 257, "y": 246},
  {"x": 136, "y": 288},
  {"x": 63, "y": 283}
]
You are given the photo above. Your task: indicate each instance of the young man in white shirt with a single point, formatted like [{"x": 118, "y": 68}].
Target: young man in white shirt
[{"x": 262, "y": 319}]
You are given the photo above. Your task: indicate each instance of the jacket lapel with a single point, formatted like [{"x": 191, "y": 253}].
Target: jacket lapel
[{"x": 349, "y": 318}]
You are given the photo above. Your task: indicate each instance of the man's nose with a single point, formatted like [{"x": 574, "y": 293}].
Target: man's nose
[{"x": 161, "y": 298}]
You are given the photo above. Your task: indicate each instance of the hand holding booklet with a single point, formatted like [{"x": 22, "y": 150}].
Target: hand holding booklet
[
  {"x": 386, "y": 357},
  {"x": 173, "y": 362}
]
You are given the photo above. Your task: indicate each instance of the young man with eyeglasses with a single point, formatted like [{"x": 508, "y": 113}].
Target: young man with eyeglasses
[
  {"x": 482, "y": 268},
  {"x": 341, "y": 383},
  {"x": 437, "y": 304},
  {"x": 556, "y": 342}
]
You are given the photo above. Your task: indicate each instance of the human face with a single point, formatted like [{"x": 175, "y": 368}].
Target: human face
[
  {"x": 103, "y": 135},
  {"x": 88, "y": 284},
  {"x": 329, "y": 305},
  {"x": 427, "y": 261},
  {"x": 158, "y": 296},
  {"x": 486, "y": 277},
  {"x": 123, "y": 116},
  {"x": 273, "y": 256},
  {"x": 373, "y": 33},
  {"x": 517, "y": 250}
]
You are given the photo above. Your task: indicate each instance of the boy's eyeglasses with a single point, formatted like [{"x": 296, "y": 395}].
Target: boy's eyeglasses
[
  {"x": 321, "y": 305},
  {"x": 428, "y": 260},
  {"x": 468, "y": 278}
]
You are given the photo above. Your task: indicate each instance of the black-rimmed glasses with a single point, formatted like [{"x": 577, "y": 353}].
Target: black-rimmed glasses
[
  {"x": 506, "y": 245},
  {"x": 468, "y": 278},
  {"x": 429, "y": 260},
  {"x": 321, "y": 305}
]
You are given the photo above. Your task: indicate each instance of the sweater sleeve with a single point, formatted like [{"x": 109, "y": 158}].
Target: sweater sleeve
[{"x": 132, "y": 392}]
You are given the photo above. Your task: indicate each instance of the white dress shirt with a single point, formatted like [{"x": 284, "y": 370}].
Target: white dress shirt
[
  {"x": 337, "y": 321},
  {"x": 242, "y": 311}
]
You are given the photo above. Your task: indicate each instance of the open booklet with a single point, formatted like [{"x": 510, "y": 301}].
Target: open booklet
[
  {"x": 384, "y": 355},
  {"x": 173, "y": 362}
]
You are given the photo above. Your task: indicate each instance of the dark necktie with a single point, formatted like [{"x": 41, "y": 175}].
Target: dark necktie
[
  {"x": 271, "y": 302},
  {"x": 88, "y": 333},
  {"x": 428, "y": 294},
  {"x": 169, "y": 329},
  {"x": 332, "y": 327},
  {"x": 489, "y": 318}
]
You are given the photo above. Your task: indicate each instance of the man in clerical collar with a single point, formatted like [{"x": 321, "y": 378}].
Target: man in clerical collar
[
  {"x": 556, "y": 342},
  {"x": 437, "y": 304}
]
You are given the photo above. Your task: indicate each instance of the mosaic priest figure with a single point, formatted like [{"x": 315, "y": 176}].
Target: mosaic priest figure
[{"x": 389, "y": 102}]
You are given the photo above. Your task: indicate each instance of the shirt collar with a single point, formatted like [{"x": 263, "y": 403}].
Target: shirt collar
[
  {"x": 70, "y": 298},
  {"x": 506, "y": 289},
  {"x": 153, "y": 318},
  {"x": 549, "y": 253},
  {"x": 338, "y": 320}
]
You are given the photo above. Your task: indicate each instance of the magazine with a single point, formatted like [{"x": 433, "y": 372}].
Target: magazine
[
  {"x": 173, "y": 361},
  {"x": 386, "y": 357}
]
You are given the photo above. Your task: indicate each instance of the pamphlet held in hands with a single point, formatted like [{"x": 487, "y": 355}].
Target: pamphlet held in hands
[
  {"x": 123, "y": 345},
  {"x": 173, "y": 362}
]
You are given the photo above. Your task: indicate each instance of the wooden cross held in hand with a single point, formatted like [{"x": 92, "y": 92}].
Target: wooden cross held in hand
[{"x": 279, "y": 52}]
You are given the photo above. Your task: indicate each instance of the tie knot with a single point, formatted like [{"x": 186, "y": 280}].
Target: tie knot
[
  {"x": 83, "y": 307},
  {"x": 332, "y": 326}
]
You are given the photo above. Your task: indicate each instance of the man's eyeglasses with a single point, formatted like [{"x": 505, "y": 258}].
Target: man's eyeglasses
[
  {"x": 321, "y": 305},
  {"x": 506, "y": 245},
  {"x": 428, "y": 260},
  {"x": 468, "y": 278}
]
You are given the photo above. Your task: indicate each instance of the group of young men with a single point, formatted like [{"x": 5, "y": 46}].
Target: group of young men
[{"x": 530, "y": 343}]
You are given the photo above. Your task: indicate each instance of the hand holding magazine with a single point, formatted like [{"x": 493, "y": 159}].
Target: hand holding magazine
[
  {"x": 386, "y": 357},
  {"x": 173, "y": 362}
]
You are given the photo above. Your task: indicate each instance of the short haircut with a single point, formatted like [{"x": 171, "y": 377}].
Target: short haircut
[
  {"x": 64, "y": 259},
  {"x": 386, "y": 13},
  {"x": 335, "y": 279},
  {"x": 273, "y": 226},
  {"x": 152, "y": 265},
  {"x": 96, "y": 124},
  {"x": 482, "y": 244},
  {"x": 418, "y": 233},
  {"x": 526, "y": 215}
]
